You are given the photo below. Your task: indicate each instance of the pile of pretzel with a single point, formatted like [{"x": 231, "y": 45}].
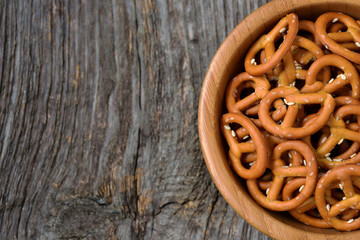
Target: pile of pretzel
[{"x": 293, "y": 121}]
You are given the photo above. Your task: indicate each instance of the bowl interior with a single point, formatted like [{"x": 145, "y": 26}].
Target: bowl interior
[{"x": 227, "y": 63}]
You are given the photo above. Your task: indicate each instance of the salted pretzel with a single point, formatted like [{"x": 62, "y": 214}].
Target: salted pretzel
[
  {"x": 336, "y": 131},
  {"x": 267, "y": 42},
  {"x": 271, "y": 141},
  {"x": 260, "y": 84},
  {"x": 271, "y": 75},
  {"x": 350, "y": 76},
  {"x": 277, "y": 115},
  {"x": 249, "y": 105},
  {"x": 334, "y": 194},
  {"x": 339, "y": 132},
  {"x": 302, "y": 52},
  {"x": 311, "y": 48},
  {"x": 327, "y": 142},
  {"x": 331, "y": 212},
  {"x": 302, "y": 57},
  {"x": 336, "y": 27},
  {"x": 331, "y": 40},
  {"x": 309, "y": 26},
  {"x": 302, "y": 212},
  {"x": 293, "y": 99},
  {"x": 280, "y": 171},
  {"x": 337, "y": 30},
  {"x": 287, "y": 75},
  {"x": 237, "y": 148}
]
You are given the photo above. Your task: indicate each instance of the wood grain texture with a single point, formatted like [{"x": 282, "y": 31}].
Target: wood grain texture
[{"x": 98, "y": 123}]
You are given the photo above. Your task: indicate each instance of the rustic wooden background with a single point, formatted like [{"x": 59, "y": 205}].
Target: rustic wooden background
[{"x": 98, "y": 123}]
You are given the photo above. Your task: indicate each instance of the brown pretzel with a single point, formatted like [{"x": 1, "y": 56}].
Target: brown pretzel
[
  {"x": 330, "y": 212},
  {"x": 309, "y": 26},
  {"x": 350, "y": 76},
  {"x": 303, "y": 51},
  {"x": 306, "y": 52},
  {"x": 271, "y": 141},
  {"x": 314, "y": 50},
  {"x": 236, "y": 105},
  {"x": 293, "y": 99},
  {"x": 339, "y": 132},
  {"x": 287, "y": 76},
  {"x": 334, "y": 194},
  {"x": 238, "y": 148},
  {"x": 336, "y": 27},
  {"x": 267, "y": 42},
  {"x": 335, "y": 133},
  {"x": 278, "y": 114},
  {"x": 327, "y": 142},
  {"x": 281, "y": 171},
  {"x": 248, "y": 105},
  {"x": 330, "y": 40},
  {"x": 302, "y": 212},
  {"x": 272, "y": 75}
]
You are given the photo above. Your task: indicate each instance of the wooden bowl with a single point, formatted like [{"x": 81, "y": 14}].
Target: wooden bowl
[{"x": 228, "y": 62}]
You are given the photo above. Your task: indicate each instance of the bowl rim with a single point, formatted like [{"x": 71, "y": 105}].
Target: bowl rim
[{"x": 215, "y": 168}]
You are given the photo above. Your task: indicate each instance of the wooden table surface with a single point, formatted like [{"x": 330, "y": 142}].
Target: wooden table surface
[{"x": 98, "y": 123}]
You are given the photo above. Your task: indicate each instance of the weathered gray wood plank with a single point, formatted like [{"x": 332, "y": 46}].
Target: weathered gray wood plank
[{"x": 98, "y": 123}]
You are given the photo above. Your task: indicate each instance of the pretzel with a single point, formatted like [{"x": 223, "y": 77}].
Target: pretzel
[
  {"x": 335, "y": 132},
  {"x": 308, "y": 51},
  {"x": 281, "y": 171},
  {"x": 271, "y": 141},
  {"x": 238, "y": 148},
  {"x": 303, "y": 51},
  {"x": 287, "y": 75},
  {"x": 249, "y": 105},
  {"x": 260, "y": 85},
  {"x": 293, "y": 99},
  {"x": 267, "y": 42},
  {"x": 350, "y": 76},
  {"x": 302, "y": 57},
  {"x": 330, "y": 40},
  {"x": 334, "y": 194},
  {"x": 301, "y": 213},
  {"x": 277, "y": 115},
  {"x": 336, "y": 27},
  {"x": 271, "y": 75},
  {"x": 309, "y": 26},
  {"x": 328, "y": 211},
  {"x": 339, "y": 132},
  {"x": 311, "y": 48}
]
